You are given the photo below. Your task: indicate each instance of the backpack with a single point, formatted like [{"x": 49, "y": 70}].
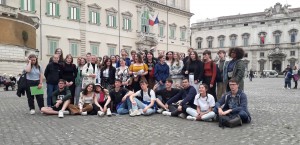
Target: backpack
[
  {"x": 142, "y": 93},
  {"x": 230, "y": 121},
  {"x": 218, "y": 73}
]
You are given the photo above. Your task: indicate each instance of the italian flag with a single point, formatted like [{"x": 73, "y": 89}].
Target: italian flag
[{"x": 153, "y": 21}]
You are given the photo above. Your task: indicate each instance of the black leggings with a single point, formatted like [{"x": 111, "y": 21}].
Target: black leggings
[
  {"x": 30, "y": 98},
  {"x": 212, "y": 91}
]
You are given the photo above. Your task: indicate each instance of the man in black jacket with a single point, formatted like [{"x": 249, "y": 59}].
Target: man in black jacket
[{"x": 52, "y": 76}]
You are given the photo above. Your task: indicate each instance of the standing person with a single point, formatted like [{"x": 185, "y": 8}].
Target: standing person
[
  {"x": 204, "y": 103},
  {"x": 169, "y": 58},
  {"x": 190, "y": 50},
  {"x": 221, "y": 86},
  {"x": 288, "y": 78},
  {"x": 102, "y": 101},
  {"x": 68, "y": 73},
  {"x": 59, "y": 52},
  {"x": 147, "y": 105},
  {"x": 34, "y": 77},
  {"x": 138, "y": 70},
  {"x": 251, "y": 75},
  {"x": 193, "y": 69},
  {"x": 78, "y": 80},
  {"x": 161, "y": 72},
  {"x": 233, "y": 102},
  {"x": 85, "y": 102},
  {"x": 90, "y": 71},
  {"x": 61, "y": 97},
  {"x": 122, "y": 73},
  {"x": 124, "y": 55},
  {"x": 175, "y": 69},
  {"x": 113, "y": 61},
  {"x": 120, "y": 97},
  {"x": 295, "y": 76},
  {"x": 133, "y": 55},
  {"x": 235, "y": 69},
  {"x": 107, "y": 74},
  {"x": 183, "y": 100},
  {"x": 210, "y": 73},
  {"x": 52, "y": 76},
  {"x": 150, "y": 62}
]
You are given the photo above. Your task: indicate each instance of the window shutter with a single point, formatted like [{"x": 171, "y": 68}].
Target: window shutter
[
  {"x": 22, "y": 4},
  {"x": 78, "y": 14},
  {"x": 115, "y": 21},
  {"x": 32, "y": 5},
  {"x": 98, "y": 18},
  {"x": 69, "y": 11},
  {"x": 107, "y": 20},
  {"x": 48, "y": 8},
  {"x": 129, "y": 24},
  {"x": 90, "y": 16},
  {"x": 57, "y": 9}
]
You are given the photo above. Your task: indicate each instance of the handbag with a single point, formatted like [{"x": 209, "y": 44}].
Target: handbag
[
  {"x": 296, "y": 77},
  {"x": 230, "y": 121}
]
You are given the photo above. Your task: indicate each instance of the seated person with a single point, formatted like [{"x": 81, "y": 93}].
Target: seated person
[
  {"x": 62, "y": 98},
  {"x": 204, "y": 102},
  {"x": 181, "y": 101},
  {"x": 164, "y": 95},
  {"x": 119, "y": 96},
  {"x": 147, "y": 105},
  {"x": 101, "y": 101},
  {"x": 235, "y": 103}
]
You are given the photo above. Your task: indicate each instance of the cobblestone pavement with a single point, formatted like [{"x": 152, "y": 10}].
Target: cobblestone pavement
[{"x": 275, "y": 113}]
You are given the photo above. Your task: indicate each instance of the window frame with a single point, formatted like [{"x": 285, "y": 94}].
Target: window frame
[
  {"x": 48, "y": 8},
  {"x": 28, "y": 6}
]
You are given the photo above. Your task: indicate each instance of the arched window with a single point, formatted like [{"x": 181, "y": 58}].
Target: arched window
[
  {"x": 221, "y": 40},
  {"x": 262, "y": 36},
  {"x": 277, "y": 35},
  {"x": 210, "y": 41},
  {"x": 199, "y": 42},
  {"x": 233, "y": 38},
  {"x": 245, "y": 38}
]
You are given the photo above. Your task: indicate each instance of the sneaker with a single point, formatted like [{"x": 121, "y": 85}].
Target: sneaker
[
  {"x": 289, "y": 88},
  {"x": 135, "y": 113},
  {"x": 60, "y": 114},
  {"x": 66, "y": 112},
  {"x": 108, "y": 112},
  {"x": 166, "y": 113},
  {"x": 84, "y": 113},
  {"x": 159, "y": 110},
  {"x": 100, "y": 113},
  {"x": 141, "y": 111},
  {"x": 130, "y": 111},
  {"x": 191, "y": 118},
  {"x": 182, "y": 115},
  {"x": 32, "y": 111}
]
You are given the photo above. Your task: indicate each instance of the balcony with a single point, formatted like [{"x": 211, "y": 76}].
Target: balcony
[
  {"x": 8, "y": 11},
  {"x": 281, "y": 45}
]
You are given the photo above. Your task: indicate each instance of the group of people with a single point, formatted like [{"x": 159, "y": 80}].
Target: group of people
[
  {"x": 289, "y": 75},
  {"x": 187, "y": 87}
]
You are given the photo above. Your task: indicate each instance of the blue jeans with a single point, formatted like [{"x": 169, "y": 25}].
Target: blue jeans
[
  {"x": 141, "y": 105},
  {"x": 124, "y": 107},
  {"x": 50, "y": 89},
  {"x": 244, "y": 116}
]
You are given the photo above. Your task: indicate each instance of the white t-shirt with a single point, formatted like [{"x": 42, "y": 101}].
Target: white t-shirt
[
  {"x": 146, "y": 96},
  {"x": 204, "y": 102}
]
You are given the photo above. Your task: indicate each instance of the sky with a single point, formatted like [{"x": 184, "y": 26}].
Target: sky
[{"x": 204, "y": 9}]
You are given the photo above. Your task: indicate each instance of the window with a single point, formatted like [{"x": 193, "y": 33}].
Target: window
[
  {"x": 246, "y": 24},
  {"x": 233, "y": 40},
  {"x": 28, "y": 5},
  {"x": 293, "y": 34},
  {"x": 145, "y": 22},
  {"x": 74, "y": 13},
  {"x": 292, "y": 53},
  {"x": 183, "y": 33},
  {"x": 221, "y": 41},
  {"x": 277, "y": 21},
  {"x": 94, "y": 17},
  {"x": 172, "y": 33},
  {"x": 210, "y": 41},
  {"x": 262, "y": 23},
  {"x": 95, "y": 49},
  {"x": 277, "y": 35},
  {"x": 161, "y": 31},
  {"x": 262, "y": 54},
  {"x": 52, "y": 45},
  {"x": 245, "y": 37},
  {"x": 126, "y": 24},
  {"x": 262, "y": 36},
  {"x": 74, "y": 49},
  {"x": 199, "y": 42},
  {"x": 111, "y": 21},
  {"x": 2, "y": 2},
  {"x": 52, "y": 9},
  {"x": 111, "y": 51},
  {"x": 293, "y": 20}
]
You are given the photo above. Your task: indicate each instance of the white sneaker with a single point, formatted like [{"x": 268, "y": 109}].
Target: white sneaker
[
  {"x": 166, "y": 113},
  {"x": 60, "y": 114},
  {"x": 141, "y": 111},
  {"x": 32, "y": 111},
  {"x": 135, "y": 113},
  {"x": 191, "y": 118},
  {"x": 66, "y": 112},
  {"x": 84, "y": 113},
  {"x": 108, "y": 112},
  {"x": 100, "y": 113},
  {"x": 160, "y": 110}
]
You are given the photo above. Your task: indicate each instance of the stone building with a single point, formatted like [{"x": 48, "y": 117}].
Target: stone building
[
  {"x": 104, "y": 27},
  {"x": 269, "y": 38}
]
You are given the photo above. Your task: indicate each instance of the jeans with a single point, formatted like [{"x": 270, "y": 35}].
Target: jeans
[
  {"x": 50, "y": 89},
  {"x": 221, "y": 88},
  {"x": 244, "y": 116},
  {"x": 30, "y": 98},
  {"x": 77, "y": 93},
  {"x": 287, "y": 83},
  {"x": 141, "y": 105},
  {"x": 124, "y": 107},
  {"x": 206, "y": 117}
]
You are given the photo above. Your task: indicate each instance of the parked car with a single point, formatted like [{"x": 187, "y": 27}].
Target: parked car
[{"x": 270, "y": 73}]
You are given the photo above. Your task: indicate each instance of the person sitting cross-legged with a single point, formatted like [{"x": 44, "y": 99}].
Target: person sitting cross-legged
[
  {"x": 61, "y": 98},
  {"x": 204, "y": 102},
  {"x": 178, "y": 104},
  {"x": 235, "y": 103},
  {"x": 147, "y": 105}
]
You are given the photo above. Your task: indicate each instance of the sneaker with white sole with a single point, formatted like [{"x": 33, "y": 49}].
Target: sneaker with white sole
[
  {"x": 84, "y": 113},
  {"x": 66, "y": 112},
  {"x": 60, "y": 114},
  {"x": 108, "y": 112},
  {"x": 166, "y": 113},
  {"x": 100, "y": 113},
  {"x": 160, "y": 110},
  {"x": 191, "y": 118},
  {"x": 135, "y": 113},
  {"x": 182, "y": 115},
  {"x": 32, "y": 111},
  {"x": 141, "y": 111}
]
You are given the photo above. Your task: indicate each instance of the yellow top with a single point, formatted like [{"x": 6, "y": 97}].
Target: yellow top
[{"x": 136, "y": 68}]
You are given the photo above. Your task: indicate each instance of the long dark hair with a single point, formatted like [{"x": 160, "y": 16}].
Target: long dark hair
[
  {"x": 153, "y": 60},
  {"x": 139, "y": 57},
  {"x": 61, "y": 57},
  {"x": 190, "y": 59},
  {"x": 85, "y": 91},
  {"x": 69, "y": 55},
  {"x": 36, "y": 62},
  {"x": 105, "y": 65},
  {"x": 167, "y": 57}
]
